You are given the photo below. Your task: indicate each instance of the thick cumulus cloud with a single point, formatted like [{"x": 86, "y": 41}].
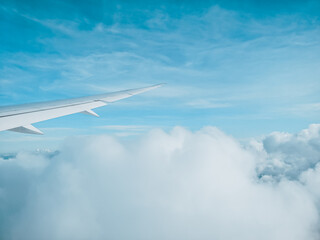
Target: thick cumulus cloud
[
  {"x": 287, "y": 155},
  {"x": 177, "y": 185}
]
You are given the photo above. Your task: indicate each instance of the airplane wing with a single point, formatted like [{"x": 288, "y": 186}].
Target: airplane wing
[{"x": 19, "y": 118}]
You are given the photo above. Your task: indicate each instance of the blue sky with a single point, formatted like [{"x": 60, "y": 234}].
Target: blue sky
[{"x": 246, "y": 67}]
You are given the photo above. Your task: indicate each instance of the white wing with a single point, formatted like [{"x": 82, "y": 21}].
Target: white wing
[{"x": 19, "y": 118}]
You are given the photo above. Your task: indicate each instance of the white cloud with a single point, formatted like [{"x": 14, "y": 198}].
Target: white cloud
[
  {"x": 125, "y": 130},
  {"x": 177, "y": 185},
  {"x": 303, "y": 109},
  {"x": 125, "y": 127},
  {"x": 287, "y": 155},
  {"x": 207, "y": 103}
]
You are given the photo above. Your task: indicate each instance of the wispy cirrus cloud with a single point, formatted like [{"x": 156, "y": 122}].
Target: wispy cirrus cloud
[{"x": 208, "y": 103}]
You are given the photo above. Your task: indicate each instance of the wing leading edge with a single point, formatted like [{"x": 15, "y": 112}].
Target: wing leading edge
[{"x": 19, "y": 118}]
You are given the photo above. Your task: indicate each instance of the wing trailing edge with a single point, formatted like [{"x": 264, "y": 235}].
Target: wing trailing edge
[{"x": 19, "y": 118}]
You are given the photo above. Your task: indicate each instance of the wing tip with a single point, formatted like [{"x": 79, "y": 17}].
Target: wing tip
[{"x": 158, "y": 85}]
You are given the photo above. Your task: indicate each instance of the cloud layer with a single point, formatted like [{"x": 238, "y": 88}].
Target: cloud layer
[{"x": 177, "y": 185}]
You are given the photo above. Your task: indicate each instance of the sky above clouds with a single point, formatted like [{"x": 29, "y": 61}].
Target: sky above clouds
[
  {"x": 248, "y": 68},
  {"x": 228, "y": 148}
]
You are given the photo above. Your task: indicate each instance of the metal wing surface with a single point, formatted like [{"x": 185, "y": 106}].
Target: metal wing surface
[{"x": 19, "y": 118}]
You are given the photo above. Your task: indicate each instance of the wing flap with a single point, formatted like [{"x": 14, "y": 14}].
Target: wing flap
[
  {"x": 27, "y": 129},
  {"x": 90, "y": 112}
]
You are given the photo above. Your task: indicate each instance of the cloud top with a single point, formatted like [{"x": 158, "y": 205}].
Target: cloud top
[{"x": 176, "y": 185}]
